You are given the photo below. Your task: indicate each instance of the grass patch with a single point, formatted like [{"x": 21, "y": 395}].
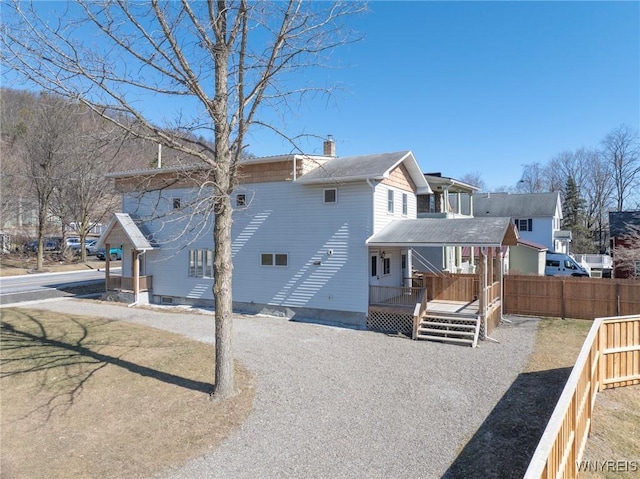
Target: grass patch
[
  {"x": 89, "y": 397},
  {"x": 503, "y": 445}
]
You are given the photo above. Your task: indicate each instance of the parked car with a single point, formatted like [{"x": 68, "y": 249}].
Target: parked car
[
  {"x": 89, "y": 247},
  {"x": 50, "y": 244},
  {"x": 559, "y": 264},
  {"x": 114, "y": 254}
]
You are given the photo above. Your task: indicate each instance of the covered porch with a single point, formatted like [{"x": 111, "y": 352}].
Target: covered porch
[
  {"x": 439, "y": 305},
  {"x": 132, "y": 285}
]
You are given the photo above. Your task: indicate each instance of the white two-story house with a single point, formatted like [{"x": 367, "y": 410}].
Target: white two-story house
[
  {"x": 537, "y": 216},
  {"x": 300, "y": 230}
]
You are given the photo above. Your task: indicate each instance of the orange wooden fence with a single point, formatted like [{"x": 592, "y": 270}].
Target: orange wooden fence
[
  {"x": 569, "y": 297},
  {"x": 610, "y": 357}
]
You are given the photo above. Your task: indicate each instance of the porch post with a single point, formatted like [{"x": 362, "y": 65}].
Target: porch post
[
  {"x": 501, "y": 279},
  {"x": 107, "y": 247},
  {"x": 136, "y": 274}
]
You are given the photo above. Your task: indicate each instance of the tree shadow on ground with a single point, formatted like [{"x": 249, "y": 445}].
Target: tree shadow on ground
[
  {"x": 73, "y": 357},
  {"x": 505, "y": 442}
]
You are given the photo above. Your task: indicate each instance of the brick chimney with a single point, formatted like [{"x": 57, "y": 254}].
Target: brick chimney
[{"x": 329, "y": 147}]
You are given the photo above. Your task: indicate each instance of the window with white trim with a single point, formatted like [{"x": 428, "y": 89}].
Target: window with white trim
[
  {"x": 524, "y": 225},
  {"x": 390, "y": 201},
  {"x": 330, "y": 195},
  {"x": 405, "y": 204},
  {"x": 274, "y": 259},
  {"x": 201, "y": 263}
]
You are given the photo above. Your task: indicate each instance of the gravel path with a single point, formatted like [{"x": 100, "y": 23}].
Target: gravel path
[{"x": 341, "y": 403}]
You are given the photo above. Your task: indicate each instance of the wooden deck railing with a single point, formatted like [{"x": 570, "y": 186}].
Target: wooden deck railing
[
  {"x": 609, "y": 358},
  {"x": 125, "y": 283},
  {"x": 394, "y": 296}
]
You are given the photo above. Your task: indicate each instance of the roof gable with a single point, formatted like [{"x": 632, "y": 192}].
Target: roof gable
[
  {"x": 367, "y": 167},
  {"x": 125, "y": 230}
]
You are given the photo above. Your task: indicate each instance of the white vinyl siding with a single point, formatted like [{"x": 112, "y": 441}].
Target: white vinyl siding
[
  {"x": 326, "y": 254},
  {"x": 381, "y": 216}
]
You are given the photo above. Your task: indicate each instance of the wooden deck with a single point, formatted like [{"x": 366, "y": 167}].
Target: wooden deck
[{"x": 453, "y": 307}]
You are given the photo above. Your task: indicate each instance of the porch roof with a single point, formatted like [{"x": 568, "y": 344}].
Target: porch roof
[
  {"x": 122, "y": 228},
  {"x": 488, "y": 232}
]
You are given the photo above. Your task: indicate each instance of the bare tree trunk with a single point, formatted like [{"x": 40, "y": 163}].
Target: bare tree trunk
[{"x": 222, "y": 293}]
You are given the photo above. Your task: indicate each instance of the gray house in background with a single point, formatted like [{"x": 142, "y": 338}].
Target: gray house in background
[{"x": 538, "y": 216}]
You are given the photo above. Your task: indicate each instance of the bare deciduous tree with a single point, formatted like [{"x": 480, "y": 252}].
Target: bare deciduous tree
[
  {"x": 474, "y": 179},
  {"x": 49, "y": 128},
  {"x": 224, "y": 60},
  {"x": 621, "y": 149},
  {"x": 534, "y": 179}
]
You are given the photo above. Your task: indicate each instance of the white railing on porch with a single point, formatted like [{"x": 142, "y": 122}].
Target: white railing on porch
[{"x": 394, "y": 295}]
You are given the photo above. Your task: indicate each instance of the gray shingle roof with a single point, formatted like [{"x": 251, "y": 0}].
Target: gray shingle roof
[
  {"x": 515, "y": 205},
  {"x": 619, "y": 221},
  {"x": 445, "y": 232},
  {"x": 363, "y": 167},
  {"x": 137, "y": 239}
]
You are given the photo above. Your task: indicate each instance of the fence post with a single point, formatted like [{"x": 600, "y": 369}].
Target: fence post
[
  {"x": 617, "y": 298},
  {"x": 562, "y": 299}
]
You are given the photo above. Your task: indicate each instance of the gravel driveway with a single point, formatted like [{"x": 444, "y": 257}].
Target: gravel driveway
[{"x": 340, "y": 403}]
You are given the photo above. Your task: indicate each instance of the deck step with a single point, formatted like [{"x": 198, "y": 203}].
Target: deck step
[
  {"x": 450, "y": 317},
  {"x": 445, "y": 338},
  {"x": 446, "y": 332},
  {"x": 452, "y": 328},
  {"x": 465, "y": 324}
]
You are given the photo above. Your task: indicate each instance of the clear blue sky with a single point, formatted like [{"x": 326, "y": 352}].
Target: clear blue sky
[
  {"x": 473, "y": 86},
  {"x": 480, "y": 86}
]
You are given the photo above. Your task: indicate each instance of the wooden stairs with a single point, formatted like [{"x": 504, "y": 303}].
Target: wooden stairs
[{"x": 449, "y": 327}]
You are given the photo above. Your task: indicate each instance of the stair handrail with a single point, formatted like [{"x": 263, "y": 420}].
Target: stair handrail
[{"x": 419, "y": 310}]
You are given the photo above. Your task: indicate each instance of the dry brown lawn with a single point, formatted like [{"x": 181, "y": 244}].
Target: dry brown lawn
[
  {"x": 95, "y": 398},
  {"x": 21, "y": 264}
]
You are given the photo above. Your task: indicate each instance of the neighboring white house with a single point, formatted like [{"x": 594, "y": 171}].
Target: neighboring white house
[{"x": 537, "y": 216}]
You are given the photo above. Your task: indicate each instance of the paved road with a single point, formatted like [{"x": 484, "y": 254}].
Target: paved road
[
  {"x": 339, "y": 403},
  {"x": 14, "y": 289}
]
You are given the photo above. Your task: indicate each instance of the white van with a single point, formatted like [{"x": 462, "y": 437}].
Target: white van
[{"x": 559, "y": 264}]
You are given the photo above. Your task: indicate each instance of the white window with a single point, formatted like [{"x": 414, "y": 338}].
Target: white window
[
  {"x": 330, "y": 195},
  {"x": 386, "y": 266},
  {"x": 524, "y": 225},
  {"x": 241, "y": 200},
  {"x": 201, "y": 263},
  {"x": 405, "y": 204},
  {"x": 390, "y": 201},
  {"x": 274, "y": 259}
]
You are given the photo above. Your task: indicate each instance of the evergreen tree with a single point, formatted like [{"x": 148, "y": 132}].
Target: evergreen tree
[{"x": 574, "y": 218}]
